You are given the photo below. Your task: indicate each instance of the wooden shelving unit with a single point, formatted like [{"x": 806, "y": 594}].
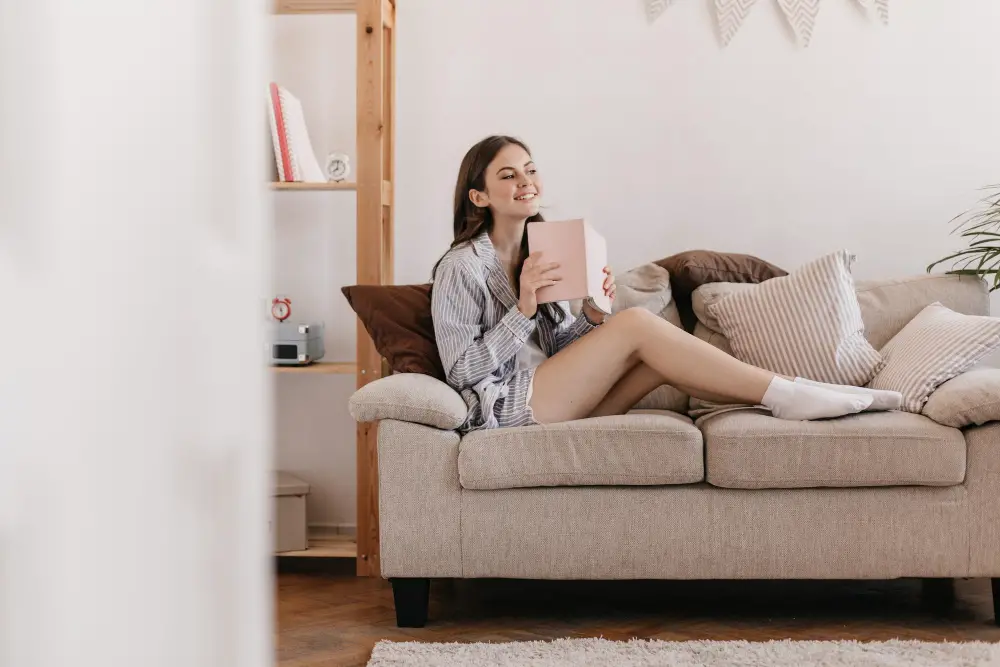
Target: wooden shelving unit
[
  {"x": 334, "y": 546},
  {"x": 315, "y": 6},
  {"x": 314, "y": 186},
  {"x": 376, "y": 123},
  {"x": 320, "y": 368}
]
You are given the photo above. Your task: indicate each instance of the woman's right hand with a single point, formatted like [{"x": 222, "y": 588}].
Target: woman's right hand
[{"x": 535, "y": 274}]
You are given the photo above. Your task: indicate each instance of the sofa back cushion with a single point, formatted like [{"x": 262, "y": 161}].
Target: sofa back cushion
[{"x": 886, "y": 305}]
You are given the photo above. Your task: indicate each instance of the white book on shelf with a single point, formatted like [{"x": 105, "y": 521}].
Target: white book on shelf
[{"x": 293, "y": 151}]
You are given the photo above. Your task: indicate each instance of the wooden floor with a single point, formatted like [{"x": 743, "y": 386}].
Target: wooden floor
[{"x": 336, "y": 619}]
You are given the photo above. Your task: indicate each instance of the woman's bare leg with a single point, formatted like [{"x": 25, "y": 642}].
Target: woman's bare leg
[
  {"x": 634, "y": 386},
  {"x": 573, "y": 383}
]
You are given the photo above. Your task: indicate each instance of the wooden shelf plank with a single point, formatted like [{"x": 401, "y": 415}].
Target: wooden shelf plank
[
  {"x": 321, "y": 368},
  {"x": 333, "y": 546},
  {"x": 314, "y": 6},
  {"x": 330, "y": 185}
]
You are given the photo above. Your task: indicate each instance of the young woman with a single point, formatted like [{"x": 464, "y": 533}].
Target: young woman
[{"x": 517, "y": 362}]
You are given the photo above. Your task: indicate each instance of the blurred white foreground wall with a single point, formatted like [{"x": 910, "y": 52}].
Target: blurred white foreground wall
[{"x": 134, "y": 409}]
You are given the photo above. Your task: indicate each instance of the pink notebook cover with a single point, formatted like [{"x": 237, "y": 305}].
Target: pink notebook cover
[{"x": 582, "y": 254}]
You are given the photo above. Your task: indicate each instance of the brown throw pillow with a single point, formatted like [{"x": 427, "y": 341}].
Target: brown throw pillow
[
  {"x": 398, "y": 318},
  {"x": 693, "y": 268}
]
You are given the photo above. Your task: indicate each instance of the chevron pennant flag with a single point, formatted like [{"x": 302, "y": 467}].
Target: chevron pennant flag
[
  {"x": 656, "y": 7},
  {"x": 801, "y": 14},
  {"x": 881, "y": 8},
  {"x": 731, "y": 14}
]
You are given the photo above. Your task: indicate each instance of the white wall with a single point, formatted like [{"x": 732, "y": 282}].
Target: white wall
[{"x": 873, "y": 138}]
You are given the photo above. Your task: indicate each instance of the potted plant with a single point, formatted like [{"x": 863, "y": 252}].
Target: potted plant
[{"x": 981, "y": 225}]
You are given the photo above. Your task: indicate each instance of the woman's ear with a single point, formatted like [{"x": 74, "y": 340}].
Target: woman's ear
[{"x": 478, "y": 198}]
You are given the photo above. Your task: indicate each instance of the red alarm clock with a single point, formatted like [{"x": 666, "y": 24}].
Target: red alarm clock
[{"x": 281, "y": 308}]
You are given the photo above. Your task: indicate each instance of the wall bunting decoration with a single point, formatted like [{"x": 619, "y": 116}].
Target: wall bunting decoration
[
  {"x": 801, "y": 15},
  {"x": 731, "y": 14},
  {"x": 656, "y": 7},
  {"x": 881, "y": 8}
]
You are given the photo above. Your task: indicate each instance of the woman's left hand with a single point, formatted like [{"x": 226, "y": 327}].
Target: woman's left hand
[{"x": 593, "y": 314}]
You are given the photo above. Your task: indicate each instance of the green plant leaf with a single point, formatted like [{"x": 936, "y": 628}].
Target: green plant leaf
[
  {"x": 971, "y": 272},
  {"x": 982, "y": 260},
  {"x": 961, "y": 253},
  {"x": 981, "y": 225},
  {"x": 992, "y": 235}
]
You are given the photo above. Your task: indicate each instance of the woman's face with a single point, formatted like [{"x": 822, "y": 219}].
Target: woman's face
[{"x": 513, "y": 186}]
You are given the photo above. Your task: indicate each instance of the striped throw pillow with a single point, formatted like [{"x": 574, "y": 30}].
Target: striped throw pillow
[
  {"x": 935, "y": 346},
  {"x": 806, "y": 324}
]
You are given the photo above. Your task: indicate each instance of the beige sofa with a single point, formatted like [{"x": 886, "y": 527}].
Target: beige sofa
[{"x": 734, "y": 493}]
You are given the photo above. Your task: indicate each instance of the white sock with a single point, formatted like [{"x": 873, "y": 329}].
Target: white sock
[
  {"x": 881, "y": 399},
  {"x": 788, "y": 400}
]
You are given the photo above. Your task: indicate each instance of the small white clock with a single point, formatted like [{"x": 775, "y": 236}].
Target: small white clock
[{"x": 338, "y": 166}]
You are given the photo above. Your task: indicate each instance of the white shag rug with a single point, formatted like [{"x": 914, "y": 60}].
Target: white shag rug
[{"x": 657, "y": 653}]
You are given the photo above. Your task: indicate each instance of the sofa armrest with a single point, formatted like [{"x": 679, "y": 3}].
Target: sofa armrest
[
  {"x": 419, "y": 501},
  {"x": 982, "y": 487},
  {"x": 969, "y": 399},
  {"x": 410, "y": 397}
]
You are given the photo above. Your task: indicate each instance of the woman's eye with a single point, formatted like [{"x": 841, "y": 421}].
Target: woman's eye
[
  {"x": 532, "y": 171},
  {"x": 505, "y": 176}
]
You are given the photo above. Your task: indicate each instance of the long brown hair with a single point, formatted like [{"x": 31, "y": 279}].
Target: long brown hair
[{"x": 471, "y": 220}]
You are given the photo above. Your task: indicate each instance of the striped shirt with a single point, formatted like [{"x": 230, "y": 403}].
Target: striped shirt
[{"x": 479, "y": 331}]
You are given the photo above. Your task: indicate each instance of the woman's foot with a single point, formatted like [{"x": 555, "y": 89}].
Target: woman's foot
[
  {"x": 800, "y": 401},
  {"x": 881, "y": 399}
]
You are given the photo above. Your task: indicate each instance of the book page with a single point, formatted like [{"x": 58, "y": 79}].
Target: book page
[
  {"x": 597, "y": 259},
  {"x": 298, "y": 136}
]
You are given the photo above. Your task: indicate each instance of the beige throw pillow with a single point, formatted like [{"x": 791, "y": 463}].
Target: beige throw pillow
[
  {"x": 806, "y": 324},
  {"x": 931, "y": 349},
  {"x": 971, "y": 398}
]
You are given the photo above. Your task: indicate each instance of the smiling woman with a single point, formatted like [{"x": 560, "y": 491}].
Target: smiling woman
[{"x": 517, "y": 362}]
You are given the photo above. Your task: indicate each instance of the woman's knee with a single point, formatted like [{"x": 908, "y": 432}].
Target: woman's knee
[{"x": 635, "y": 319}]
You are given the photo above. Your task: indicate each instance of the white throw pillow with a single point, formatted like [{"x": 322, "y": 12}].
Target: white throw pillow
[
  {"x": 805, "y": 324},
  {"x": 935, "y": 346}
]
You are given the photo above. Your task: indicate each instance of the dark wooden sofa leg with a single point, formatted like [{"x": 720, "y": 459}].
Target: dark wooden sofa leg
[
  {"x": 411, "y": 597},
  {"x": 996, "y": 600}
]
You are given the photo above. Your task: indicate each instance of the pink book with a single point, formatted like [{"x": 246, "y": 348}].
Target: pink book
[{"x": 582, "y": 254}]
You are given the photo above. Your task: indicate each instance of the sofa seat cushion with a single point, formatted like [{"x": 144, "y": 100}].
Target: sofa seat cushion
[
  {"x": 750, "y": 449},
  {"x": 644, "y": 447}
]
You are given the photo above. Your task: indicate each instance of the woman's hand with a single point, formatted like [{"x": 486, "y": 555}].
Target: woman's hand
[
  {"x": 535, "y": 274},
  {"x": 610, "y": 288}
]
